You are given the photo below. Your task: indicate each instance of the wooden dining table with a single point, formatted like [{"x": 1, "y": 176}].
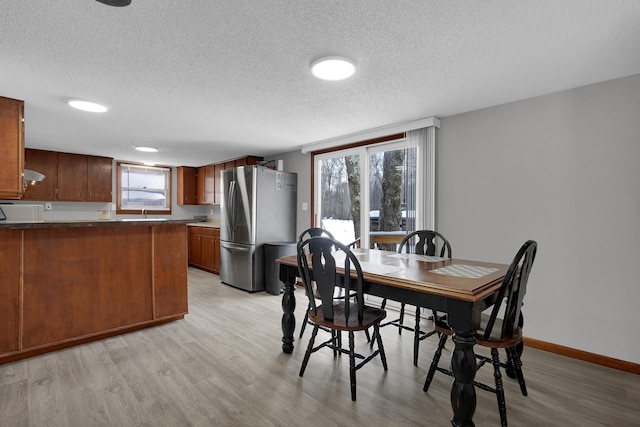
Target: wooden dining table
[{"x": 460, "y": 288}]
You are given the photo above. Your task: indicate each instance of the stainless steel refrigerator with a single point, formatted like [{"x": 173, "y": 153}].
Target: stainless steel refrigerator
[{"x": 258, "y": 206}]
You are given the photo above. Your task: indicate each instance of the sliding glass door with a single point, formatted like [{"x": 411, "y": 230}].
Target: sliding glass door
[{"x": 369, "y": 193}]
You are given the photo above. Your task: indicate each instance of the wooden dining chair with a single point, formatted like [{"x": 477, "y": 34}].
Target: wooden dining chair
[
  {"x": 318, "y": 261},
  {"x": 496, "y": 333},
  {"x": 307, "y": 234},
  {"x": 421, "y": 242}
]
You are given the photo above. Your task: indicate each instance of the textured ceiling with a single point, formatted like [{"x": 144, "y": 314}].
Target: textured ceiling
[{"x": 207, "y": 80}]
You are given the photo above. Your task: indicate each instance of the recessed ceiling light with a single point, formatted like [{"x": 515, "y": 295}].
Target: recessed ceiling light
[
  {"x": 116, "y": 3},
  {"x": 147, "y": 149},
  {"x": 91, "y": 107},
  {"x": 333, "y": 68},
  {"x": 149, "y": 163}
]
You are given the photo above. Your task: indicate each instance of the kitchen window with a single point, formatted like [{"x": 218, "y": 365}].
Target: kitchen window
[{"x": 143, "y": 189}]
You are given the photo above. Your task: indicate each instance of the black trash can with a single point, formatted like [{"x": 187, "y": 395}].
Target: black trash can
[{"x": 273, "y": 251}]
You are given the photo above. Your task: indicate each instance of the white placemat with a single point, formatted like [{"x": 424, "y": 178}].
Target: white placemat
[
  {"x": 463, "y": 270},
  {"x": 425, "y": 258},
  {"x": 374, "y": 268}
]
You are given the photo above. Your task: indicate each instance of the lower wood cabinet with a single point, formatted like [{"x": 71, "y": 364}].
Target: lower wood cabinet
[
  {"x": 76, "y": 284},
  {"x": 204, "y": 248}
]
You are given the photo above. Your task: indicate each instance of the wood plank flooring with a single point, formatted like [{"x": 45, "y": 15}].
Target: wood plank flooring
[{"x": 223, "y": 366}]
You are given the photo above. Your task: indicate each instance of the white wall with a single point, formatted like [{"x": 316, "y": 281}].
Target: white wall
[
  {"x": 563, "y": 169},
  {"x": 295, "y": 161}
]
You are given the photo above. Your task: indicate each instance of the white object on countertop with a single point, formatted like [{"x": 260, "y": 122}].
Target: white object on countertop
[
  {"x": 24, "y": 212},
  {"x": 104, "y": 214}
]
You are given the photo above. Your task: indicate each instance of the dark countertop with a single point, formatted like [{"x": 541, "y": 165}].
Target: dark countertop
[{"x": 8, "y": 224}]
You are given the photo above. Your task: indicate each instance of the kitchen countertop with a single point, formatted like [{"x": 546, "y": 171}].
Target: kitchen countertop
[
  {"x": 208, "y": 224},
  {"x": 8, "y": 224}
]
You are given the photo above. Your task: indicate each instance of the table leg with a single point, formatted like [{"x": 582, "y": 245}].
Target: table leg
[
  {"x": 288, "y": 318},
  {"x": 463, "y": 394}
]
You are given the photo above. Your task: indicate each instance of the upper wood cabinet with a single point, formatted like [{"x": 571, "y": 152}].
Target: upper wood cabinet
[
  {"x": 99, "y": 179},
  {"x": 70, "y": 177},
  {"x": 11, "y": 148},
  {"x": 45, "y": 162},
  {"x": 217, "y": 195},
  {"x": 187, "y": 185},
  {"x": 208, "y": 185},
  {"x": 72, "y": 173},
  {"x": 204, "y": 185}
]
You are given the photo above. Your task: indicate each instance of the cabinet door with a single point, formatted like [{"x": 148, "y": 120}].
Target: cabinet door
[
  {"x": 72, "y": 177},
  {"x": 195, "y": 251},
  {"x": 11, "y": 148},
  {"x": 208, "y": 252},
  {"x": 217, "y": 194},
  {"x": 45, "y": 162},
  {"x": 200, "y": 173},
  {"x": 209, "y": 183},
  {"x": 187, "y": 186},
  {"x": 99, "y": 179}
]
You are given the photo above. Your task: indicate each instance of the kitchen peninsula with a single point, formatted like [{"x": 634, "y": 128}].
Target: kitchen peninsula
[{"x": 68, "y": 282}]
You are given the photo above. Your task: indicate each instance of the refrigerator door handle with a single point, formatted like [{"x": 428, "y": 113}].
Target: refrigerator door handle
[
  {"x": 233, "y": 247},
  {"x": 231, "y": 203}
]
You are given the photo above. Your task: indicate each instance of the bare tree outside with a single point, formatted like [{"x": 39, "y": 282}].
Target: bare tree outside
[
  {"x": 353, "y": 176},
  {"x": 392, "y": 183},
  {"x": 391, "y": 203}
]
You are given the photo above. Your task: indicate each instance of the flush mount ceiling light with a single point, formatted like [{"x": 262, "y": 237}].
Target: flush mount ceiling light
[
  {"x": 116, "y": 3},
  {"x": 147, "y": 149},
  {"x": 333, "y": 68},
  {"x": 91, "y": 107}
]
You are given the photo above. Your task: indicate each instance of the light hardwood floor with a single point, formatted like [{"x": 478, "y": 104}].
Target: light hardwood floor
[{"x": 223, "y": 366}]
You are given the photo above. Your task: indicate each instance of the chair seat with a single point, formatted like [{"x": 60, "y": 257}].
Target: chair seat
[
  {"x": 494, "y": 341},
  {"x": 372, "y": 315}
]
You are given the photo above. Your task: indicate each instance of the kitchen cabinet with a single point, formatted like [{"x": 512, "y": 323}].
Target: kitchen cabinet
[
  {"x": 187, "y": 185},
  {"x": 208, "y": 184},
  {"x": 70, "y": 177},
  {"x": 99, "y": 179},
  {"x": 217, "y": 195},
  {"x": 72, "y": 168},
  {"x": 205, "y": 185},
  {"x": 204, "y": 248},
  {"x": 11, "y": 148},
  {"x": 99, "y": 279},
  {"x": 45, "y": 162},
  {"x": 195, "y": 243}
]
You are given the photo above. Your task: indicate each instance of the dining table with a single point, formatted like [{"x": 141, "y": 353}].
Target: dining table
[{"x": 462, "y": 289}]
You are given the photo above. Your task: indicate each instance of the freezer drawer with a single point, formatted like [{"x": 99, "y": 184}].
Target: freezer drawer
[{"x": 240, "y": 265}]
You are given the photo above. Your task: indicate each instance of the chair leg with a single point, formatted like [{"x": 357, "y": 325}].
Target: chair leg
[
  {"x": 435, "y": 361},
  {"x": 516, "y": 365},
  {"x": 502, "y": 406},
  {"x": 336, "y": 341},
  {"x": 304, "y": 322},
  {"x": 352, "y": 365},
  {"x": 383, "y": 356},
  {"x": 401, "y": 320},
  {"x": 309, "y": 348},
  {"x": 416, "y": 337}
]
